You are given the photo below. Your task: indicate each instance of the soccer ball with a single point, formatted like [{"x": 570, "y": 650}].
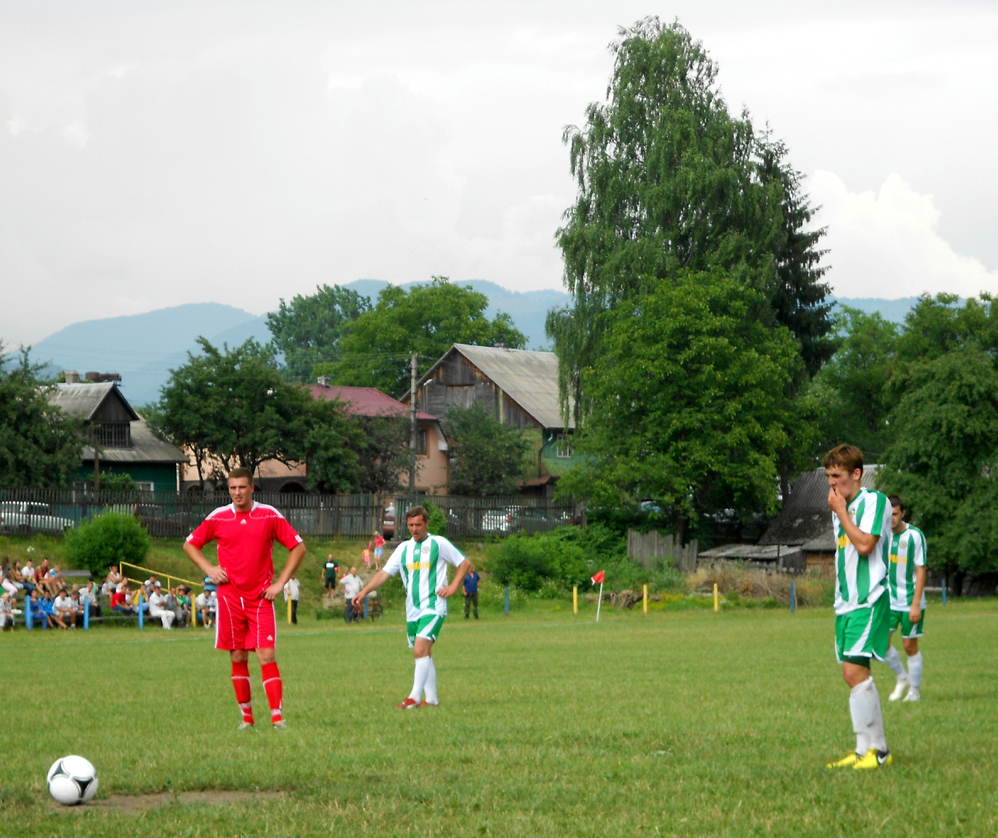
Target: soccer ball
[{"x": 72, "y": 780}]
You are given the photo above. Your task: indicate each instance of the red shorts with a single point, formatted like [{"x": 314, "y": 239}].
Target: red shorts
[{"x": 243, "y": 623}]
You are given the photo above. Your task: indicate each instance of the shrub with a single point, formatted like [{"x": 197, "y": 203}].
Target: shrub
[
  {"x": 107, "y": 540},
  {"x": 438, "y": 520}
]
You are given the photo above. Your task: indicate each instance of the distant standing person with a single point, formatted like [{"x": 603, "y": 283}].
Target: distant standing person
[
  {"x": 330, "y": 569},
  {"x": 471, "y": 591},
  {"x": 861, "y": 523},
  {"x": 292, "y": 591},
  {"x": 246, "y": 619},
  {"x": 379, "y": 550},
  {"x": 422, "y": 561},
  {"x": 906, "y": 582},
  {"x": 352, "y": 583}
]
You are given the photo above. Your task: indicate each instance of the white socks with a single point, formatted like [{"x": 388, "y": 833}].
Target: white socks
[
  {"x": 423, "y": 666},
  {"x": 868, "y": 724},
  {"x": 893, "y": 660},
  {"x": 915, "y": 671},
  {"x": 431, "y": 684}
]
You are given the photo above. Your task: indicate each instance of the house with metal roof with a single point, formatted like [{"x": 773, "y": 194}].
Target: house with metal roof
[
  {"x": 800, "y": 537},
  {"x": 121, "y": 441},
  {"x": 432, "y": 459},
  {"x": 517, "y": 386}
]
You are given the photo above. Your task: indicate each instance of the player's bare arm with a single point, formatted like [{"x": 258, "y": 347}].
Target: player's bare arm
[
  {"x": 295, "y": 558},
  {"x": 451, "y": 589},
  {"x": 915, "y": 613},
  {"x": 376, "y": 582},
  {"x": 863, "y": 541},
  {"x": 213, "y": 571}
]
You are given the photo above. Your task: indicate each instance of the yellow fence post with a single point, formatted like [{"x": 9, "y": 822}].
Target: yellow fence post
[
  {"x": 644, "y": 598},
  {"x": 289, "y": 610},
  {"x": 575, "y": 599},
  {"x": 717, "y": 604}
]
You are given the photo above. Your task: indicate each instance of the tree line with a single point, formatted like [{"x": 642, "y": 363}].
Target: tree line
[{"x": 700, "y": 359}]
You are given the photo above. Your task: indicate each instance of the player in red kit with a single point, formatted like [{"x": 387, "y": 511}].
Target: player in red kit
[{"x": 246, "y": 621}]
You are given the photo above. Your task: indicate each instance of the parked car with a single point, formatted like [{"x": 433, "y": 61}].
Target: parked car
[
  {"x": 158, "y": 521},
  {"x": 36, "y": 517},
  {"x": 388, "y": 524},
  {"x": 501, "y": 521}
]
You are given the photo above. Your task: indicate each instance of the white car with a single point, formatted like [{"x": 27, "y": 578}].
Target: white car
[{"x": 37, "y": 517}]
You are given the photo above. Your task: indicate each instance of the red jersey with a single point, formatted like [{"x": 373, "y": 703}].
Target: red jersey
[{"x": 245, "y": 545}]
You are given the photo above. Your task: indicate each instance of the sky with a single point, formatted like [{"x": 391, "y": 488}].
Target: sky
[{"x": 153, "y": 154}]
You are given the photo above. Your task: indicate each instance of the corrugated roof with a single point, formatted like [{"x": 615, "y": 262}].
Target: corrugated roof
[
  {"x": 528, "y": 377},
  {"x": 146, "y": 448},
  {"x": 805, "y": 515},
  {"x": 365, "y": 401},
  {"x": 83, "y": 399},
  {"x": 748, "y": 552}
]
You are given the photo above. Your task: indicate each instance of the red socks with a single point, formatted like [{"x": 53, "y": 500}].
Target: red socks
[
  {"x": 274, "y": 688},
  {"x": 241, "y": 683}
]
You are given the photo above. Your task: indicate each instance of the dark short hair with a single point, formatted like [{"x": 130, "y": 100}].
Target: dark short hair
[
  {"x": 418, "y": 512},
  {"x": 848, "y": 457},
  {"x": 239, "y": 471},
  {"x": 896, "y": 501}
]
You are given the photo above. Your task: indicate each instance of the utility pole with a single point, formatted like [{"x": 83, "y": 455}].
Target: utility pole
[{"x": 413, "y": 430}]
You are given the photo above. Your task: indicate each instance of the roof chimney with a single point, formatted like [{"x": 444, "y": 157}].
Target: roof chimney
[
  {"x": 323, "y": 380},
  {"x": 71, "y": 377}
]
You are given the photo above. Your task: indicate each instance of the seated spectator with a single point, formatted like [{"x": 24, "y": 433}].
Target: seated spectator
[
  {"x": 6, "y": 612},
  {"x": 205, "y": 605},
  {"x": 183, "y": 605},
  {"x": 62, "y": 607},
  {"x": 114, "y": 578},
  {"x": 119, "y": 601},
  {"x": 160, "y": 607},
  {"x": 28, "y": 576},
  {"x": 8, "y": 583},
  {"x": 48, "y": 610},
  {"x": 92, "y": 596},
  {"x": 140, "y": 600}
]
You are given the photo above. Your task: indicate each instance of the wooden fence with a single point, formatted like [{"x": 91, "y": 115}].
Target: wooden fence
[
  {"x": 175, "y": 514},
  {"x": 646, "y": 547}
]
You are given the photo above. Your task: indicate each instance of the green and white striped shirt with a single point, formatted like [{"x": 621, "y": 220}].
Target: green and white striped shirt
[
  {"x": 908, "y": 551},
  {"x": 859, "y": 580},
  {"x": 423, "y": 566}
]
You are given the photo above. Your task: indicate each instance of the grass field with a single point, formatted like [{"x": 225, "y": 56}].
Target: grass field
[{"x": 674, "y": 723}]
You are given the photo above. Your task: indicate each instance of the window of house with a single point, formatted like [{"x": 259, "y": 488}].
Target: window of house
[
  {"x": 420, "y": 442},
  {"x": 563, "y": 446},
  {"x": 112, "y": 435}
]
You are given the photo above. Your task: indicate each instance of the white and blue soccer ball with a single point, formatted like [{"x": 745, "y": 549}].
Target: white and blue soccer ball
[{"x": 72, "y": 780}]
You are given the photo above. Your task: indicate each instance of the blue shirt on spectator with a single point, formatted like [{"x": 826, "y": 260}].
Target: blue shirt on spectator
[{"x": 471, "y": 582}]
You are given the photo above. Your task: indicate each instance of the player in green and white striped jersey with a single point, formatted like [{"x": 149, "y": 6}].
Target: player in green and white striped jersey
[
  {"x": 422, "y": 561},
  {"x": 861, "y": 522},
  {"x": 906, "y": 581}
]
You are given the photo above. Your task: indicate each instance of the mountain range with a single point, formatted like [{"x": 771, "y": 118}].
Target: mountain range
[{"x": 143, "y": 348}]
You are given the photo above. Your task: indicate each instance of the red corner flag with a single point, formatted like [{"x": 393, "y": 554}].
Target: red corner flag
[{"x": 598, "y": 578}]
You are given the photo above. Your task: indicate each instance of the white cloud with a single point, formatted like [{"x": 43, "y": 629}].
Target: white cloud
[{"x": 886, "y": 244}]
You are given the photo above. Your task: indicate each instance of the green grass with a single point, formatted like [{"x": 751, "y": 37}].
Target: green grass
[{"x": 674, "y": 723}]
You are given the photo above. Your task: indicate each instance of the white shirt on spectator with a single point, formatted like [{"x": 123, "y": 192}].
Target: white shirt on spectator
[
  {"x": 351, "y": 585},
  {"x": 292, "y": 588},
  {"x": 63, "y": 603}
]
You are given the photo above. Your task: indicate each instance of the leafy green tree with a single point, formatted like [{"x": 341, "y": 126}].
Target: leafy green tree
[
  {"x": 487, "y": 457},
  {"x": 691, "y": 399},
  {"x": 944, "y": 458},
  {"x": 110, "y": 539},
  {"x": 308, "y": 330},
  {"x": 668, "y": 181},
  {"x": 331, "y": 449},
  {"x": 937, "y": 325},
  {"x": 852, "y": 387},
  {"x": 383, "y": 453},
  {"x": 39, "y": 444},
  {"x": 425, "y": 320},
  {"x": 234, "y": 405}
]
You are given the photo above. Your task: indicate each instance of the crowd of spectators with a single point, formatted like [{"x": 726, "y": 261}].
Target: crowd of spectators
[{"x": 51, "y": 602}]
